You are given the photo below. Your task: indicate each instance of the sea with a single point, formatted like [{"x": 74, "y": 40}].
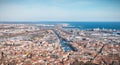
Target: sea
[{"x": 80, "y": 25}]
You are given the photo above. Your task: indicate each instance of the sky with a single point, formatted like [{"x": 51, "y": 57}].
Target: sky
[{"x": 59, "y": 10}]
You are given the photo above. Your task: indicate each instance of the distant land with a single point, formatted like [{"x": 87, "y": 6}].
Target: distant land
[{"x": 81, "y": 25}]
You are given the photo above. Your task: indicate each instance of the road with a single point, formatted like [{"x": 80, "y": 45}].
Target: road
[{"x": 64, "y": 43}]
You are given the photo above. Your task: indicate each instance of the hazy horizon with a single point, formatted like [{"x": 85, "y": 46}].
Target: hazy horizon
[{"x": 60, "y": 10}]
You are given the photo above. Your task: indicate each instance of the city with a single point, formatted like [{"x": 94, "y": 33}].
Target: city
[{"x": 32, "y": 44}]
